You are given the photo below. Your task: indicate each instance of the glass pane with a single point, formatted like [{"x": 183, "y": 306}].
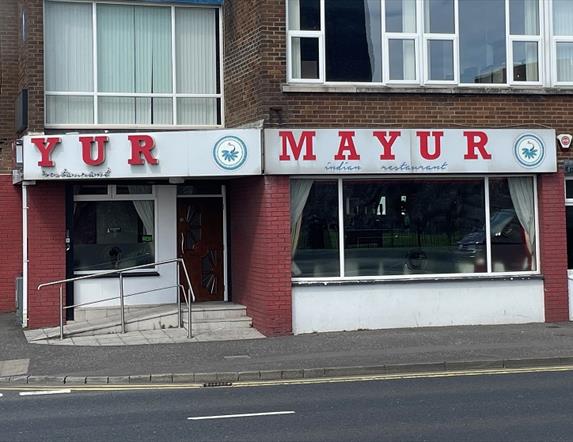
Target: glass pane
[
  {"x": 353, "y": 41},
  {"x": 402, "y": 59},
  {"x": 91, "y": 189},
  {"x": 69, "y": 110},
  {"x": 525, "y": 61},
  {"x": 304, "y": 61},
  {"x": 198, "y": 111},
  {"x": 304, "y": 15},
  {"x": 400, "y": 15},
  {"x": 142, "y": 189},
  {"x": 69, "y": 47},
  {"x": 130, "y": 110},
  {"x": 562, "y": 17},
  {"x": 441, "y": 60},
  {"x": 439, "y": 16},
  {"x": 391, "y": 228},
  {"x": 197, "y": 50},
  {"x": 524, "y": 17},
  {"x": 113, "y": 234},
  {"x": 314, "y": 209},
  {"x": 564, "y": 61},
  {"x": 569, "y": 189},
  {"x": 200, "y": 188},
  {"x": 134, "y": 49},
  {"x": 482, "y": 41},
  {"x": 569, "y": 217},
  {"x": 512, "y": 224}
]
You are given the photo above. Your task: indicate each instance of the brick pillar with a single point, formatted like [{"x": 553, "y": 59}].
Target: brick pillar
[
  {"x": 553, "y": 245},
  {"x": 261, "y": 251},
  {"x": 11, "y": 240},
  {"x": 46, "y": 251}
]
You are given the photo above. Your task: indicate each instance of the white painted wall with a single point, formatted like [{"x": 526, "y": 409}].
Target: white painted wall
[
  {"x": 320, "y": 308},
  {"x": 570, "y": 284},
  {"x": 166, "y": 248}
]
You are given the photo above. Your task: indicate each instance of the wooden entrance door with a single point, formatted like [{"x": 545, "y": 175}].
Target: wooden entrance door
[{"x": 200, "y": 244}]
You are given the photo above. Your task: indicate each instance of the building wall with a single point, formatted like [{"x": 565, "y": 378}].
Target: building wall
[
  {"x": 46, "y": 251},
  {"x": 11, "y": 240},
  {"x": 261, "y": 251}
]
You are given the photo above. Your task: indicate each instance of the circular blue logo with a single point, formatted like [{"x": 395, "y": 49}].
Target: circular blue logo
[
  {"x": 230, "y": 152},
  {"x": 529, "y": 150}
]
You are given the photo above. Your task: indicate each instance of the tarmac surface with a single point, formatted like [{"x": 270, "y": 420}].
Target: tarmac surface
[{"x": 312, "y": 355}]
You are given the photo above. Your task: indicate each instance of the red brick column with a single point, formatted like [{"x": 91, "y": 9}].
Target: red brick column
[
  {"x": 553, "y": 245},
  {"x": 261, "y": 251},
  {"x": 11, "y": 240},
  {"x": 46, "y": 251}
]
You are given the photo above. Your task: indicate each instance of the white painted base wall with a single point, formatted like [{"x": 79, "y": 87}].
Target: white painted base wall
[
  {"x": 166, "y": 248},
  {"x": 570, "y": 284},
  {"x": 322, "y": 308}
]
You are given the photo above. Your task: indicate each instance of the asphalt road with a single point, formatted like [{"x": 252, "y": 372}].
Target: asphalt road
[{"x": 513, "y": 407}]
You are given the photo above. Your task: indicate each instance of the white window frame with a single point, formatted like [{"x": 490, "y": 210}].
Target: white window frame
[
  {"x": 174, "y": 95},
  {"x": 112, "y": 195},
  {"x": 489, "y": 271},
  {"x": 546, "y": 52}
]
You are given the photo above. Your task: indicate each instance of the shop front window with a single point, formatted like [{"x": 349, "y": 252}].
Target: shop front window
[
  {"x": 394, "y": 227},
  {"x": 113, "y": 232}
]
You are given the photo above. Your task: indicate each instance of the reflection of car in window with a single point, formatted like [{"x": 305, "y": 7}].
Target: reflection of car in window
[{"x": 509, "y": 251}]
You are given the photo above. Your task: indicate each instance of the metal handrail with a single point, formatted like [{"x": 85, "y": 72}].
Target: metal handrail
[{"x": 188, "y": 294}]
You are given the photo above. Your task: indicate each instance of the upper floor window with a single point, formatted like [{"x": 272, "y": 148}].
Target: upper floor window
[
  {"x": 431, "y": 42},
  {"x": 131, "y": 65}
]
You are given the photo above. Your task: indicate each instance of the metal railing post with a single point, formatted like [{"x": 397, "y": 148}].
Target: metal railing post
[
  {"x": 177, "y": 281},
  {"x": 61, "y": 312},
  {"x": 122, "y": 302},
  {"x": 189, "y": 325}
]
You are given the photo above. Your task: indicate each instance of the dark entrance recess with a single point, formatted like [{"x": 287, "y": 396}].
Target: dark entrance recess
[{"x": 200, "y": 244}]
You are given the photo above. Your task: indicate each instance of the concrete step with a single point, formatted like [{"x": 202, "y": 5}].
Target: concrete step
[{"x": 212, "y": 325}]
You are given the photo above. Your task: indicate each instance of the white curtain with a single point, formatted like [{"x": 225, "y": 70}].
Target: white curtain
[
  {"x": 138, "y": 39},
  {"x": 521, "y": 191},
  {"x": 531, "y": 12},
  {"x": 196, "y": 49},
  {"x": 563, "y": 17},
  {"x": 299, "y": 192},
  {"x": 68, "y": 61},
  {"x": 531, "y": 28},
  {"x": 565, "y": 61},
  {"x": 294, "y": 15},
  {"x": 373, "y": 35},
  {"x": 409, "y": 16}
]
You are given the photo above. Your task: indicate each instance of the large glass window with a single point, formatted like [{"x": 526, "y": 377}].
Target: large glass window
[
  {"x": 139, "y": 65},
  {"x": 395, "y": 227},
  {"x": 465, "y": 42},
  {"x": 113, "y": 230}
]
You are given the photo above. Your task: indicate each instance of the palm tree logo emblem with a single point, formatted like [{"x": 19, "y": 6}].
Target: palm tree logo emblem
[
  {"x": 529, "y": 150},
  {"x": 230, "y": 152}
]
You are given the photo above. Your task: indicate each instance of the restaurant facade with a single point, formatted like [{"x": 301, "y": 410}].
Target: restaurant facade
[{"x": 329, "y": 165}]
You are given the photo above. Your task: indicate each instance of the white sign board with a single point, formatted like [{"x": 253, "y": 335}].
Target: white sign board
[
  {"x": 409, "y": 151},
  {"x": 143, "y": 155}
]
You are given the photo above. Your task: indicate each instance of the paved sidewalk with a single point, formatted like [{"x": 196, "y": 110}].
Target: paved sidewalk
[{"x": 291, "y": 356}]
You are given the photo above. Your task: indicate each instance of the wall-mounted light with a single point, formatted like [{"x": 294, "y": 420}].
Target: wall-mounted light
[{"x": 564, "y": 140}]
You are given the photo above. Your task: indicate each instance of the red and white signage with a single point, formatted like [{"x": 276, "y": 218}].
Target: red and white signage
[
  {"x": 149, "y": 155},
  {"x": 409, "y": 151}
]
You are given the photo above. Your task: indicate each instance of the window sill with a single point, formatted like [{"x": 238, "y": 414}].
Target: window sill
[
  {"x": 448, "y": 90},
  {"x": 419, "y": 279},
  {"x": 116, "y": 275}
]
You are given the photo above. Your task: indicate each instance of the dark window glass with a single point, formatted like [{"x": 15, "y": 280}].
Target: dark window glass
[
  {"x": 482, "y": 41},
  {"x": 304, "y": 15},
  {"x": 90, "y": 189},
  {"x": 315, "y": 231},
  {"x": 416, "y": 227},
  {"x": 305, "y": 58},
  {"x": 401, "y": 16},
  {"x": 353, "y": 41},
  {"x": 439, "y": 16},
  {"x": 441, "y": 60},
  {"x": 200, "y": 188},
  {"x": 512, "y": 224},
  {"x": 525, "y": 65},
  {"x": 113, "y": 234},
  {"x": 144, "y": 189},
  {"x": 524, "y": 17},
  {"x": 568, "y": 189}
]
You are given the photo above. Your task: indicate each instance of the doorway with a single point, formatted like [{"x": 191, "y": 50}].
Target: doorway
[{"x": 200, "y": 242}]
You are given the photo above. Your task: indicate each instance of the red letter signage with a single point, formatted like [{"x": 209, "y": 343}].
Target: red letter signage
[
  {"x": 46, "y": 146},
  {"x": 306, "y": 141},
  {"x": 425, "y": 149},
  {"x": 476, "y": 140},
  {"x": 142, "y": 145},
  {"x": 387, "y": 144},
  {"x": 87, "y": 150},
  {"x": 346, "y": 144}
]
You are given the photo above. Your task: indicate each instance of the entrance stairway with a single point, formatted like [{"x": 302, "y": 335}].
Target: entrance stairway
[{"x": 208, "y": 318}]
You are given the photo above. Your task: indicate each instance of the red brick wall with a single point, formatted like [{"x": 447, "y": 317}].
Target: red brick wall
[
  {"x": 553, "y": 246},
  {"x": 11, "y": 240},
  {"x": 261, "y": 251},
  {"x": 46, "y": 251}
]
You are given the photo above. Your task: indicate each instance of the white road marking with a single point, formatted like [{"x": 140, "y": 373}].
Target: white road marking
[
  {"x": 45, "y": 392},
  {"x": 227, "y": 416}
]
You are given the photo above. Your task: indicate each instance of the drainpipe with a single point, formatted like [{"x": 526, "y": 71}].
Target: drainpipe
[{"x": 24, "y": 254}]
